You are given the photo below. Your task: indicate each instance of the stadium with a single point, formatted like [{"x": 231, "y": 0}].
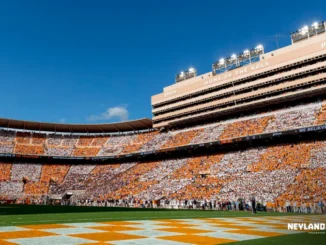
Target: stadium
[{"x": 248, "y": 135}]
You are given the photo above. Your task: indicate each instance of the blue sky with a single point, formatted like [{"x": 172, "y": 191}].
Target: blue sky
[{"x": 100, "y": 61}]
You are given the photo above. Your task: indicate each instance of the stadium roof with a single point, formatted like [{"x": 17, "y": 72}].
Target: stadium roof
[{"x": 135, "y": 125}]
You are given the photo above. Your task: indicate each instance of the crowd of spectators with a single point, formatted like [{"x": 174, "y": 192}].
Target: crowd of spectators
[
  {"x": 245, "y": 128},
  {"x": 308, "y": 188},
  {"x": 209, "y": 134},
  {"x": 5, "y": 171},
  {"x": 120, "y": 139},
  {"x": 11, "y": 188},
  {"x": 286, "y": 157},
  {"x": 54, "y": 140},
  {"x": 75, "y": 179},
  {"x": 156, "y": 142},
  {"x": 201, "y": 188},
  {"x": 26, "y": 171},
  {"x": 110, "y": 150},
  {"x": 87, "y": 146},
  {"x": 196, "y": 166},
  {"x": 293, "y": 119},
  {"x": 38, "y": 139},
  {"x": 98, "y": 183},
  {"x": 181, "y": 138},
  {"x": 286, "y": 176},
  {"x": 85, "y": 151},
  {"x": 99, "y": 141},
  {"x": 54, "y": 172},
  {"x": 84, "y": 141},
  {"x": 38, "y": 188},
  {"x": 6, "y": 149},
  {"x": 138, "y": 142},
  {"x": 321, "y": 117},
  {"x": 265, "y": 186},
  {"x": 164, "y": 189},
  {"x": 7, "y": 137},
  {"x": 318, "y": 155},
  {"x": 23, "y": 138},
  {"x": 165, "y": 168},
  {"x": 29, "y": 149},
  {"x": 152, "y": 178},
  {"x": 283, "y": 176},
  {"x": 237, "y": 161},
  {"x": 116, "y": 186},
  {"x": 125, "y": 144},
  {"x": 7, "y": 140},
  {"x": 58, "y": 151},
  {"x": 69, "y": 140}
]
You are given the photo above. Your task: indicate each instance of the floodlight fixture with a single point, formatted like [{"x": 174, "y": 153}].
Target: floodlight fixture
[
  {"x": 260, "y": 47},
  {"x": 246, "y": 52},
  {"x": 306, "y": 32},
  {"x": 183, "y": 75},
  {"x": 315, "y": 25},
  {"x": 236, "y": 60},
  {"x": 191, "y": 69}
]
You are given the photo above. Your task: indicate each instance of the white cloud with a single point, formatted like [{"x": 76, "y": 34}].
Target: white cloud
[
  {"x": 62, "y": 120},
  {"x": 119, "y": 112}
]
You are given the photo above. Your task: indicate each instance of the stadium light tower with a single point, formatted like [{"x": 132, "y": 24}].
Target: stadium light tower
[
  {"x": 308, "y": 31},
  {"x": 183, "y": 75},
  {"x": 315, "y": 25},
  {"x": 246, "y": 52},
  {"x": 236, "y": 60},
  {"x": 304, "y": 30},
  {"x": 233, "y": 57},
  {"x": 219, "y": 65},
  {"x": 232, "y": 62},
  {"x": 244, "y": 57},
  {"x": 191, "y": 70},
  {"x": 260, "y": 48}
]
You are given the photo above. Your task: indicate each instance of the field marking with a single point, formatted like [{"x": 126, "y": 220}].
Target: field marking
[
  {"x": 132, "y": 218},
  {"x": 89, "y": 219},
  {"x": 140, "y": 231}
]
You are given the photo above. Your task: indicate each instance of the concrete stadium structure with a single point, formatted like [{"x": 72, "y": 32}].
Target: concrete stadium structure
[{"x": 285, "y": 74}]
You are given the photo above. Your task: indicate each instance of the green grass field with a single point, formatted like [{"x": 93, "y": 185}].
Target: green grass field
[
  {"x": 296, "y": 239},
  {"x": 30, "y": 214},
  {"x": 15, "y": 215}
]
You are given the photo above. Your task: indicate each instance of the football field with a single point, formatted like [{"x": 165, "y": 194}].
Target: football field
[{"x": 31, "y": 225}]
